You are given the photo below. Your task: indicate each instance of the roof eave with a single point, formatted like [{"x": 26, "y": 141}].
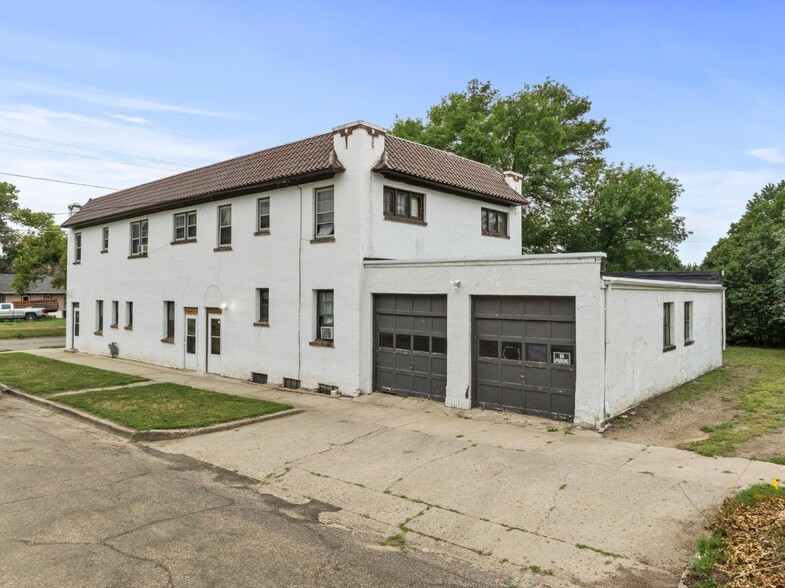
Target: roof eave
[
  {"x": 326, "y": 174},
  {"x": 425, "y": 183}
]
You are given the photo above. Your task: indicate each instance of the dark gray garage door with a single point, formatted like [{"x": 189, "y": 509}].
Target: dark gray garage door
[
  {"x": 524, "y": 354},
  {"x": 410, "y": 334}
]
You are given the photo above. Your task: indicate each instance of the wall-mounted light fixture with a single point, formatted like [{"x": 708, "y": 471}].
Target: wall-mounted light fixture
[{"x": 455, "y": 284}]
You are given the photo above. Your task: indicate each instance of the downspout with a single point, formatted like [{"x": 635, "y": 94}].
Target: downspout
[
  {"x": 300, "y": 286},
  {"x": 605, "y": 411},
  {"x": 724, "y": 329}
]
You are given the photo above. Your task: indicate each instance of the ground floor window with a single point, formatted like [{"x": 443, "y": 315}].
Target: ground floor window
[
  {"x": 99, "y": 316},
  {"x": 688, "y": 323},
  {"x": 129, "y": 315},
  {"x": 667, "y": 326},
  {"x": 169, "y": 319},
  {"x": 324, "y": 315}
]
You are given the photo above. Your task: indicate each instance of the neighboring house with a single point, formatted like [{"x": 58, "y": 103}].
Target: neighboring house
[
  {"x": 359, "y": 261},
  {"x": 42, "y": 291}
]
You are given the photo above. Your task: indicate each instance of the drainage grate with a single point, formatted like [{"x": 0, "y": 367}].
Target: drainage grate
[
  {"x": 258, "y": 378},
  {"x": 326, "y": 389}
]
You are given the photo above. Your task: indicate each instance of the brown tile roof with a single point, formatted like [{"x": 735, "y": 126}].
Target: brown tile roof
[
  {"x": 419, "y": 162},
  {"x": 301, "y": 159}
]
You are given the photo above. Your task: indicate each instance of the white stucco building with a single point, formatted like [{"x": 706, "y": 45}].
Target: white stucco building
[{"x": 358, "y": 261}]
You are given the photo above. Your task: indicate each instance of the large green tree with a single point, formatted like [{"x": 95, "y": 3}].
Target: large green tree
[
  {"x": 752, "y": 255},
  {"x": 576, "y": 202},
  {"x": 42, "y": 251}
]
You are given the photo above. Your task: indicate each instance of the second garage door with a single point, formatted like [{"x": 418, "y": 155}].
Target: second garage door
[
  {"x": 410, "y": 348},
  {"x": 524, "y": 354}
]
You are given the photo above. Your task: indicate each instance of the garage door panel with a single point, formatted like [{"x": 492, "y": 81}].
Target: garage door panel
[
  {"x": 522, "y": 342},
  {"x": 410, "y": 344}
]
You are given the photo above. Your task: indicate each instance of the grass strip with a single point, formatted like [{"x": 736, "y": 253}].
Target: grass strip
[
  {"x": 41, "y": 375},
  {"x": 169, "y": 406},
  {"x": 45, "y": 327}
]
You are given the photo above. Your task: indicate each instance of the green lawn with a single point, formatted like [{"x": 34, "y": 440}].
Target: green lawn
[
  {"x": 760, "y": 401},
  {"x": 40, "y": 375},
  {"x": 169, "y": 406},
  {"x": 45, "y": 327}
]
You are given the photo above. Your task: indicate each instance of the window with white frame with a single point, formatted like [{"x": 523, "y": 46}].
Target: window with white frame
[
  {"x": 169, "y": 320},
  {"x": 105, "y": 239},
  {"x": 667, "y": 326},
  {"x": 324, "y": 212},
  {"x": 263, "y": 214},
  {"x": 139, "y": 237},
  {"x": 77, "y": 247},
  {"x": 263, "y": 305},
  {"x": 688, "y": 323},
  {"x": 225, "y": 225},
  {"x": 402, "y": 204},
  {"x": 324, "y": 315},
  {"x": 115, "y": 313},
  {"x": 494, "y": 223},
  {"x": 185, "y": 226},
  {"x": 99, "y": 316}
]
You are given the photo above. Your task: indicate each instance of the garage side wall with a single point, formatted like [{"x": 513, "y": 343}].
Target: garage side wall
[
  {"x": 638, "y": 367},
  {"x": 574, "y": 275}
]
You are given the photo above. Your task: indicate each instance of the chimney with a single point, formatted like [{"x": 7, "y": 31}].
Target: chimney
[
  {"x": 514, "y": 180},
  {"x": 73, "y": 208}
]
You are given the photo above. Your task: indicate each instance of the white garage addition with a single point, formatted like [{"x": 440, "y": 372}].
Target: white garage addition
[{"x": 358, "y": 261}]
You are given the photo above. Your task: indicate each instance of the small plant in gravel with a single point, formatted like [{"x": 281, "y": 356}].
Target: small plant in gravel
[{"x": 398, "y": 540}]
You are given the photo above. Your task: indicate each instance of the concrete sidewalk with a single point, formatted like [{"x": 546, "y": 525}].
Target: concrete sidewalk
[{"x": 506, "y": 489}]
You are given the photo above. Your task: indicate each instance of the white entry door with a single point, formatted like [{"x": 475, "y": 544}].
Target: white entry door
[
  {"x": 191, "y": 342},
  {"x": 214, "y": 343}
]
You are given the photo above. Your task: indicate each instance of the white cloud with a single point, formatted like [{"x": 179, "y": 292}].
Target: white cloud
[
  {"x": 103, "y": 97},
  {"x": 769, "y": 154},
  {"x": 138, "y": 120}
]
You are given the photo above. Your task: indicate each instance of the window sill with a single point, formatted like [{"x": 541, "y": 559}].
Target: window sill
[
  {"x": 104, "y": 251},
  {"x": 689, "y": 342},
  {"x": 497, "y": 235},
  {"x": 405, "y": 220},
  {"x": 262, "y": 233},
  {"x": 330, "y": 239},
  {"x": 261, "y": 324},
  {"x": 169, "y": 340},
  {"x": 668, "y": 348},
  {"x": 321, "y": 343},
  {"x": 99, "y": 333},
  {"x": 137, "y": 256},
  {"x": 128, "y": 328},
  {"x": 223, "y": 248},
  {"x": 112, "y": 326},
  {"x": 182, "y": 241},
  {"x": 77, "y": 263}
]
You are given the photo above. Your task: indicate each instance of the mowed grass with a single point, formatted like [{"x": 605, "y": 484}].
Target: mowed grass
[
  {"x": 41, "y": 375},
  {"x": 45, "y": 327},
  {"x": 760, "y": 400},
  {"x": 169, "y": 406}
]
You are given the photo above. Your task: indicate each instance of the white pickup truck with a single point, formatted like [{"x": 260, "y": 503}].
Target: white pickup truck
[{"x": 9, "y": 312}]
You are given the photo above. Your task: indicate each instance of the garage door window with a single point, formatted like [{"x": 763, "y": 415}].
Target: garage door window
[
  {"x": 488, "y": 348},
  {"x": 386, "y": 340},
  {"x": 536, "y": 352},
  {"x": 403, "y": 341},
  {"x": 421, "y": 343},
  {"x": 511, "y": 350},
  {"x": 439, "y": 345}
]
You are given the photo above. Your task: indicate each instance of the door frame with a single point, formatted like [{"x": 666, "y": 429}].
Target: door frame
[
  {"x": 75, "y": 310},
  {"x": 210, "y": 310}
]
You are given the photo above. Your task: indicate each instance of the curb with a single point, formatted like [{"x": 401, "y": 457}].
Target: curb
[{"x": 150, "y": 435}]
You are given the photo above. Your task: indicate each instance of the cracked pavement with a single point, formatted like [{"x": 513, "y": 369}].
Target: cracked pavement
[
  {"x": 505, "y": 494},
  {"x": 80, "y": 507}
]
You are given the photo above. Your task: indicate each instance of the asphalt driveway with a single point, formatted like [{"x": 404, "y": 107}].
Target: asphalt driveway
[{"x": 493, "y": 489}]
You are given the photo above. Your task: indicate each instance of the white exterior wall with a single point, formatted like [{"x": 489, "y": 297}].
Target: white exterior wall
[
  {"x": 637, "y": 366},
  {"x": 575, "y": 275},
  {"x": 285, "y": 261}
]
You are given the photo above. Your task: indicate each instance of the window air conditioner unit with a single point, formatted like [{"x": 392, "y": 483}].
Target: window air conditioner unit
[
  {"x": 143, "y": 250},
  {"x": 326, "y": 333}
]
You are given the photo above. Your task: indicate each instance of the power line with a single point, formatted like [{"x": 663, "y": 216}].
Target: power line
[
  {"x": 88, "y": 157},
  {"x": 94, "y": 149},
  {"x": 2, "y": 173}
]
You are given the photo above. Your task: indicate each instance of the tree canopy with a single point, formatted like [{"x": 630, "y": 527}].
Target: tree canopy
[
  {"x": 32, "y": 244},
  {"x": 576, "y": 201},
  {"x": 752, "y": 255}
]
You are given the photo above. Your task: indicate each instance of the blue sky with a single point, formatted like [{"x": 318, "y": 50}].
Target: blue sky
[{"x": 693, "y": 88}]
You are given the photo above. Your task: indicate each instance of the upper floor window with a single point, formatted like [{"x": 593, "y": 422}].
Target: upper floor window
[
  {"x": 263, "y": 214},
  {"x": 667, "y": 326},
  {"x": 688, "y": 323},
  {"x": 494, "y": 223},
  {"x": 185, "y": 226},
  {"x": 139, "y": 237},
  {"x": 325, "y": 212},
  {"x": 403, "y": 204},
  {"x": 225, "y": 225},
  {"x": 105, "y": 239},
  {"x": 77, "y": 247}
]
